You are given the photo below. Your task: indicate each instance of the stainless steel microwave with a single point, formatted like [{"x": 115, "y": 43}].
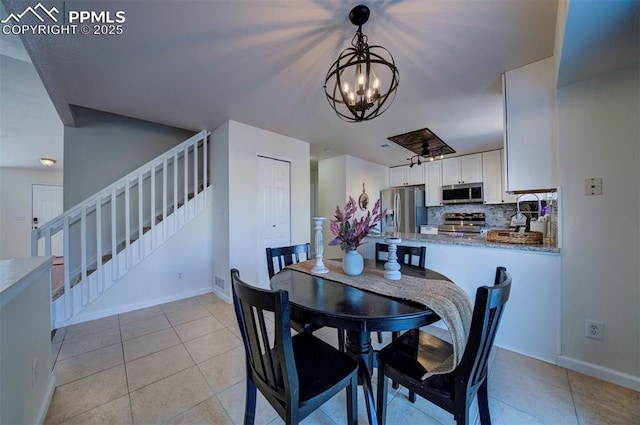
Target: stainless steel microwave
[{"x": 462, "y": 193}]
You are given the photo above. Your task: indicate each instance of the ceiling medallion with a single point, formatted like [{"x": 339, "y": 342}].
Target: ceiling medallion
[{"x": 362, "y": 83}]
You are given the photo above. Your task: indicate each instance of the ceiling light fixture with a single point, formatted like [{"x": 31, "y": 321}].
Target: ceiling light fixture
[
  {"x": 363, "y": 97},
  {"x": 47, "y": 162}
]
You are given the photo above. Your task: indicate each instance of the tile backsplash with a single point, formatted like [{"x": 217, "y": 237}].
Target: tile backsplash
[{"x": 499, "y": 216}]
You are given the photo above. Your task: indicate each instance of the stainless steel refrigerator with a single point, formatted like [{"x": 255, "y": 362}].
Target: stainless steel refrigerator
[{"x": 405, "y": 209}]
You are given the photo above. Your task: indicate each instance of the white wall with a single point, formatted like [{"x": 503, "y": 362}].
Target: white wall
[
  {"x": 105, "y": 147},
  {"x": 599, "y": 137},
  {"x": 155, "y": 280},
  {"x": 341, "y": 177},
  {"x": 15, "y": 193},
  {"x": 236, "y": 150}
]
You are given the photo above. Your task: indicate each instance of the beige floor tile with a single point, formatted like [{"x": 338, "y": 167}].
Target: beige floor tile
[
  {"x": 336, "y": 407},
  {"x": 87, "y": 393},
  {"x": 529, "y": 394},
  {"x": 233, "y": 401},
  {"x": 209, "y": 298},
  {"x": 503, "y": 414},
  {"x": 150, "y": 343},
  {"x": 153, "y": 367},
  {"x": 169, "y": 397},
  {"x": 196, "y": 328},
  {"x": 532, "y": 368},
  {"x": 220, "y": 309},
  {"x": 143, "y": 313},
  {"x": 92, "y": 327},
  {"x": 434, "y": 412},
  {"x": 186, "y": 314},
  {"x": 59, "y": 335},
  {"x": 224, "y": 370},
  {"x": 401, "y": 411},
  {"x": 603, "y": 402},
  {"x": 55, "y": 350},
  {"x": 179, "y": 305},
  {"x": 209, "y": 412},
  {"x": 316, "y": 418},
  {"x": 116, "y": 412},
  {"x": 145, "y": 326},
  {"x": 74, "y": 346},
  {"x": 86, "y": 364},
  {"x": 212, "y": 344}
]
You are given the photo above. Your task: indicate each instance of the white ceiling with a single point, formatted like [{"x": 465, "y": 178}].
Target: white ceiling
[{"x": 196, "y": 64}]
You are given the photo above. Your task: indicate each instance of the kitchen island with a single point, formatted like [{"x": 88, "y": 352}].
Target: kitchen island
[{"x": 531, "y": 321}]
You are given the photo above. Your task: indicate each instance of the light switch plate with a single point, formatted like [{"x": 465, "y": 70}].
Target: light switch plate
[{"x": 593, "y": 186}]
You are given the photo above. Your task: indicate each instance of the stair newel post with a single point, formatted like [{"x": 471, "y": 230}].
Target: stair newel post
[
  {"x": 99, "y": 274},
  {"x": 175, "y": 191},
  {"x": 114, "y": 240},
  {"x": 185, "y": 160},
  {"x": 164, "y": 199},
  {"x": 47, "y": 241},
  {"x": 127, "y": 223},
  {"x": 34, "y": 243},
  {"x": 84, "y": 290},
  {"x": 195, "y": 176},
  {"x": 68, "y": 305},
  {"x": 141, "y": 245}
]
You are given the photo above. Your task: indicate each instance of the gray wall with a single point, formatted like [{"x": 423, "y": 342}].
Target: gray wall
[{"x": 105, "y": 147}]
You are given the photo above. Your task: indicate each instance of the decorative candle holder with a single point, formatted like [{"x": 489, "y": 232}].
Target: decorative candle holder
[
  {"x": 392, "y": 267},
  {"x": 319, "y": 267}
]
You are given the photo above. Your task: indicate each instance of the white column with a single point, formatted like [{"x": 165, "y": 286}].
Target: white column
[{"x": 319, "y": 267}]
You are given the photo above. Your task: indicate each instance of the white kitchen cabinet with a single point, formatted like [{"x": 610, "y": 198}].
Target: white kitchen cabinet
[
  {"x": 406, "y": 175},
  {"x": 433, "y": 183},
  {"x": 530, "y": 126},
  {"x": 462, "y": 169},
  {"x": 492, "y": 179}
]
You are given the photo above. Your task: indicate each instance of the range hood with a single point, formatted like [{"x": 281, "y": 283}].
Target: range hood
[{"x": 423, "y": 143}]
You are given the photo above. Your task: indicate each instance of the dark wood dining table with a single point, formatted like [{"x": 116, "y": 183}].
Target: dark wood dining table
[{"x": 325, "y": 302}]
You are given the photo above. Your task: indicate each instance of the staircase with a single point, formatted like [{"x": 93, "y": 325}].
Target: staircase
[{"x": 105, "y": 236}]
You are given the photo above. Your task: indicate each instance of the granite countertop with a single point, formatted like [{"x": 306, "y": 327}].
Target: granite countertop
[{"x": 475, "y": 240}]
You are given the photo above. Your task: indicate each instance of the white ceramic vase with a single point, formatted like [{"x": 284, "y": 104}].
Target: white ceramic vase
[{"x": 352, "y": 263}]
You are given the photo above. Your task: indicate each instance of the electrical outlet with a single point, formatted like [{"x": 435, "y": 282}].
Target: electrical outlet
[{"x": 594, "y": 330}]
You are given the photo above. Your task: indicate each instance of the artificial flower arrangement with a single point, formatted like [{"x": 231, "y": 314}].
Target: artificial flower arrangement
[{"x": 349, "y": 234}]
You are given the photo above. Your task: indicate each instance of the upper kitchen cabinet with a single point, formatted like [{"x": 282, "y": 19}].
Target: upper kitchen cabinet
[
  {"x": 433, "y": 183},
  {"x": 406, "y": 175},
  {"x": 492, "y": 179},
  {"x": 530, "y": 126},
  {"x": 462, "y": 169}
]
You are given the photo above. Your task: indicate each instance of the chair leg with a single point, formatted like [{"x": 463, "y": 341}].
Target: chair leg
[
  {"x": 412, "y": 396},
  {"x": 381, "y": 410},
  {"x": 341, "y": 340},
  {"x": 250, "y": 403},
  {"x": 379, "y": 337},
  {"x": 483, "y": 404},
  {"x": 352, "y": 401}
]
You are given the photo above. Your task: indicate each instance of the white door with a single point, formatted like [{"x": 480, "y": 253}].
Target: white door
[
  {"x": 47, "y": 205},
  {"x": 274, "y": 206}
]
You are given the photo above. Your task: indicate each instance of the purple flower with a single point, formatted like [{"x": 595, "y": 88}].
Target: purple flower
[{"x": 349, "y": 234}]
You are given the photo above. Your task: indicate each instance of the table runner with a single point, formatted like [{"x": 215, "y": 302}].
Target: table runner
[{"x": 448, "y": 301}]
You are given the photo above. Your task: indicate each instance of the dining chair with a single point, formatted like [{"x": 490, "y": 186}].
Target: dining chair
[
  {"x": 415, "y": 256},
  {"x": 408, "y": 255},
  {"x": 408, "y": 358},
  {"x": 284, "y": 256},
  {"x": 296, "y": 375}
]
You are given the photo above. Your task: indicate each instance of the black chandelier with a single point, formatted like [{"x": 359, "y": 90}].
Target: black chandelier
[{"x": 353, "y": 87}]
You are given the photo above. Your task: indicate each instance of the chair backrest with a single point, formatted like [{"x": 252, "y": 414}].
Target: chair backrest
[
  {"x": 487, "y": 311},
  {"x": 269, "y": 356},
  {"x": 408, "y": 255},
  {"x": 286, "y": 255}
]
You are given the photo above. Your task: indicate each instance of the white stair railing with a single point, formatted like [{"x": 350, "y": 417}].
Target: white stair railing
[{"x": 108, "y": 234}]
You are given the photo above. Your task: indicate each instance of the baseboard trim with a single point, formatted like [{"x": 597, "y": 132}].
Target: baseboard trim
[
  {"x": 225, "y": 297},
  {"x": 44, "y": 408},
  {"x": 136, "y": 306},
  {"x": 600, "y": 372}
]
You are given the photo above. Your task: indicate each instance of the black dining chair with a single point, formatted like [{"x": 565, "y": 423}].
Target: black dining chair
[
  {"x": 408, "y": 358},
  {"x": 280, "y": 257},
  {"x": 415, "y": 256},
  {"x": 296, "y": 375}
]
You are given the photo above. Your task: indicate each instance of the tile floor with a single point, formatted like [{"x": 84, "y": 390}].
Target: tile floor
[{"x": 183, "y": 363}]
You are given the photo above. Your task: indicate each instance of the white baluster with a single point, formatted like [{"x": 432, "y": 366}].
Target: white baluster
[
  {"x": 319, "y": 267},
  {"x": 392, "y": 267}
]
